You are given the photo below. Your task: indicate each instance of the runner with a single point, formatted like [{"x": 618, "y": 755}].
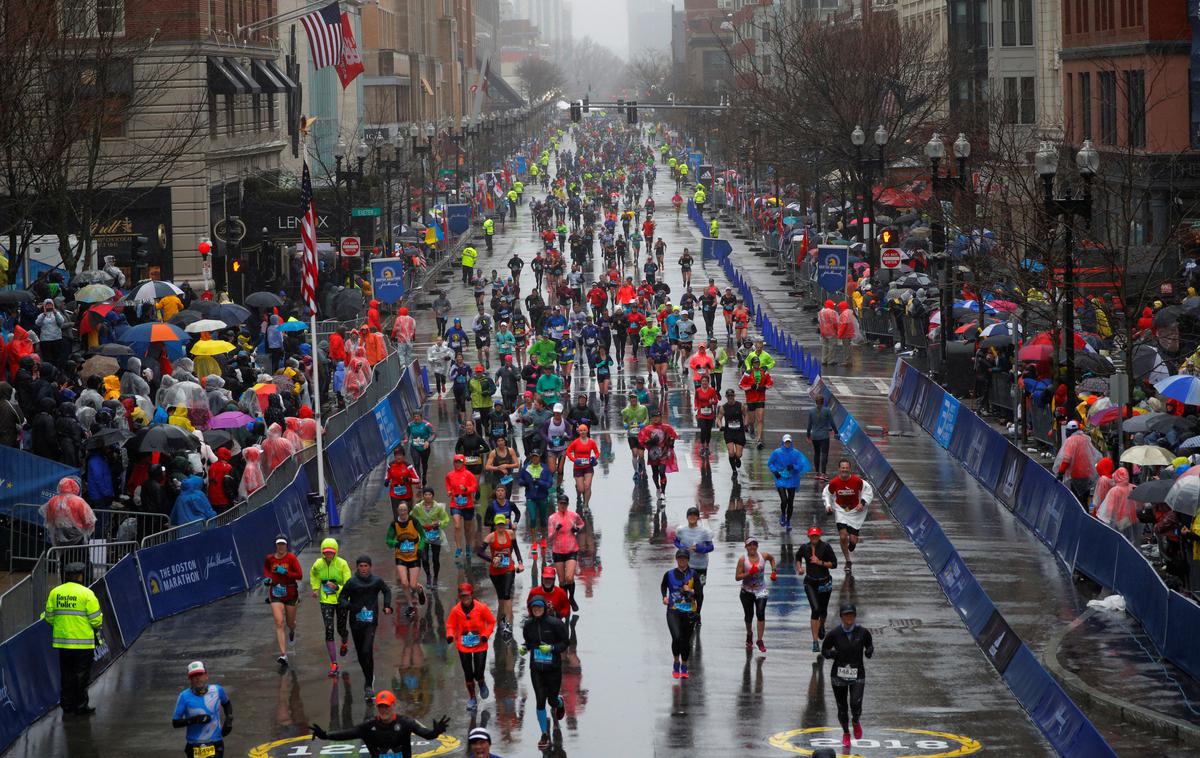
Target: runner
[
  {"x": 433, "y": 519},
  {"x": 752, "y": 573},
  {"x": 360, "y": 597},
  {"x": 281, "y": 571},
  {"x": 502, "y": 463},
  {"x": 705, "y": 402},
  {"x": 813, "y": 562},
  {"x": 685, "y": 266},
  {"x": 421, "y": 435},
  {"x": 388, "y": 734},
  {"x": 603, "y": 366},
  {"x": 701, "y": 364},
  {"x": 846, "y": 645},
  {"x": 755, "y": 381},
  {"x": 564, "y": 527},
  {"x": 820, "y": 426},
  {"x": 468, "y": 628},
  {"x": 658, "y": 438},
  {"x": 328, "y": 575},
  {"x": 633, "y": 417},
  {"x": 537, "y": 480},
  {"x": 787, "y": 465},
  {"x": 406, "y": 537},
  {"x": 556, "y": 434},
  {"x": 556, "y": 597},
  {"x": 847, "y": 497},
  {"x": 697, "y": 540},
  {"x": 504, "y": 563},
  {"x": 196, "y": 710},
  {"x": 461, "y": 486},
  {"x": 584, "y": 455},
  {"x": 729, "y": 303},
  {"x": 678, "y": 590},
  {"x": 544, "y": 638},
  {"x": 403, "y": 481}
]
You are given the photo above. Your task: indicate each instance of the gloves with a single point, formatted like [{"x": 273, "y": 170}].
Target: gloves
[
  {"x": 227, "y": 727},
  {"x": 752, "y": 570},
  {"x": 441, "y": 725},
  {"x": 449, "y": 640},
  {"x": 203, "y": 718},
  {"x": 317, "y": 732},
  {"x": 545, "y": 648},
  {"x": 523, "y": 651},
  {"x": 280, "y": 569}
]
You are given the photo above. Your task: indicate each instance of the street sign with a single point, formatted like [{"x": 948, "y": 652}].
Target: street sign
[
  {"x": 832, "y": 267},
  {"x": 351, "y": 245},
  {"x": 889, "y": 257},
  {"x": 366, "y": 212}
]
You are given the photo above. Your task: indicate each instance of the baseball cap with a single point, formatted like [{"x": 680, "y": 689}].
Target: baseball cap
[
  {"x": 558, "y": 408},
  {"x": 1072, "y": 425},
  {"x": 196, "y": 667},
  {"x": 460, "y": 458},
  {"x": 479, "y": 734},
  {"x": 281, "y": 538},
  {"x": 564, "y": 498},
  {"x": 478, "y": 368},
  {"x": 548, "y": 572},
  {"x": 466, "y": 588},
  {"x": 75, "y": 568},
  {"x": 693, "y": 510},
  {"x": 683, "y": 554},
  {"x": 537, "y": 600},
  {"x": 751, "y": 539},
  {"x": 814, "y": 530},
  {"x": 581, "y": 428},
  {"x": 500, "y": 518},
  {"x": 385, "y": 697},
  {"x": 787, "y": 438},
  {"x": 847, "y": 608}
]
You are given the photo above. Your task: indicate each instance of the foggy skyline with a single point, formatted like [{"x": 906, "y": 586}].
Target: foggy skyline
[{"x": 605, "y": 21}]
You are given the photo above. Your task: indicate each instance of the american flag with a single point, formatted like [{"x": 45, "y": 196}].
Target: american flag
[
  {"x": 308, "y": 235},
  {"x": 324, "y": 29}
]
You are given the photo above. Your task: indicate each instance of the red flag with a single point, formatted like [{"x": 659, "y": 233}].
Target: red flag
[
  {"x": 308, "y": 236},
  {"x": 350, "y": 65}
]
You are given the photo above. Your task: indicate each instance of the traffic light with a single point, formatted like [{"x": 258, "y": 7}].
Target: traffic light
[
  {"x": 937, "y": 236},
  {"x": 235, "y": 266},
  {"x": 137, "y": 249},
  {"x": 586, "y": 107},
  {"x": 620, "y": 105},
  {"x": 887, "y": 237},
  {"x": 631, "y": 112},
  {"x": 576, "y": 113}
]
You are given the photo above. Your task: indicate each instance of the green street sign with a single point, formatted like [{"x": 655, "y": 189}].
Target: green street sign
[{"x": 366, "y": 212}]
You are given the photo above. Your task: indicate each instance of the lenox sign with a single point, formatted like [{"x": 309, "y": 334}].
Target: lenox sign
[{"x": 293, "y": 222}]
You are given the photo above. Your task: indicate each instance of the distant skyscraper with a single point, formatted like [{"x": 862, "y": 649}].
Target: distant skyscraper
[{"x": 649, "y": 26}]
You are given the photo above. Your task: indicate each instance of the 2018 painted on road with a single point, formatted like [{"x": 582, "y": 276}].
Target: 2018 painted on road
[
  {"x": 909, "y": 743},
  {"x": 304, "y": 747}
]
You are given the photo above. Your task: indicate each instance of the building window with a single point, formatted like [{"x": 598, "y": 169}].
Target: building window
[
  {"x": 270, "y": 112},
  {"x": 1085, "y": 105},
  {"x": 230, "y": 118},
  {"x": 1104, "y": 15},
  {"x": 1069, "y": 109},
  {"x": 1019, "y": 105},
  {"x": 1108, "y": 107},
  {"x": 985, "y": 24},
  {"x": 212, "y": 114},
  {"x": 1066, "y": 16},
  {"x": 1026, "y": 19},
  {"x": 1135, "y": 107},
  {"x": 1008, "y": 23},
  {"x": 1010, "y": 100},
  {"x": 1081, "y": 22},
  {"x": 1028, "y": 101},
  {"x": 256, "y": 104},
  {"x": 92, "y": 18}
]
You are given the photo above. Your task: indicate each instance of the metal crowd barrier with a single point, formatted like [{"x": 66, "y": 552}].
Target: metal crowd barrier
[
  {"x": 27, "y": 538},
  {"x": 173, "y": 533}
]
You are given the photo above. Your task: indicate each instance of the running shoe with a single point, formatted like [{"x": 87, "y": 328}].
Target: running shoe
[
  {"x": 749, "y": 643},
  {"x": 787, "y": 524},
  {"x": 761, "y": 647},
  {"x": 849, "y": 566},
  {"x": 760, "y": 445},
  {"x": 857, "y": 731},
  {"x": 560, "y": 709},
  {"x": 344, "y": 648},
  {"x": 420, "y": 594},
  {"x": 544, "y": 742},
  {"x": 483, "y": 691},
  {"x": 846, "y": 740},
  {"x": 821, "y": 631},
  {"x": 816, "y": 647},
  {"x": 683, "y": 673},
  {"x": 782, "y": 521},
  {"x": 282, "y": 660},
  {"x": 333, "y": 669},
  {"x": 675, "y": 669},
  {"x": 458, "y": 552},
  {"x": 472, "y": 704}
]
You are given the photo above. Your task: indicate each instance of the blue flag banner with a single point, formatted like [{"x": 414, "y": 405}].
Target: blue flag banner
[
  {"x": 28, "y": 478},
  {"x": 387, "y": 279},
  {"x": 522, "y": 165},
  {"x": 832, "y": 267}
]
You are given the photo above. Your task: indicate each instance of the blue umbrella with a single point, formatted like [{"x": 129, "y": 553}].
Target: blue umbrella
[
  {"x": 973, "y": 305},
  {"x": 1182, "y": 387},
  {"x": 293, "y": 325},
  {"x": 154, "y": 331}
]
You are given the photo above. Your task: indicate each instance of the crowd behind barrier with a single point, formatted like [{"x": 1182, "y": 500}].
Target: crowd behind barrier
[
  {"x": 28, "y": 539},
  {"x": 213, "y": 560},
  {"x": 1047, "y": 507},
  {"x": 1058, "y": 717}
]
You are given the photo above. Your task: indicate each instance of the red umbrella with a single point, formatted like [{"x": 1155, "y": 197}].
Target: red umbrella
[
  {"x": 1036, "y": 352},
  {"x": 93, "y": 316},
  {"x": 1045, "y": 338}
]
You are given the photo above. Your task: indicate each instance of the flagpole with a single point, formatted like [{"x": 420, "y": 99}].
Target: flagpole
[{"x": 316, "y": 367}]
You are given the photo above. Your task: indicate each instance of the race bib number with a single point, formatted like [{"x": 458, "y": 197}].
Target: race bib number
[
  {"x": 503, "y": 561},
  {"x": 407, "y": 546},
  {"x": 540, "y": 657},
  {"x": 204, "y": 751},
  {"x": 472, "y": 460},
  {"x": 683, "y": 606},
  {"x": 278, "y": 590},
  {"x": 400, "y": 490},
  {"x": 469, "y": 639},
  {"x": 365, "y": 615},
  {"x": 733, "y": 424},
  {"x": 420, "y": 442},
  {"x": 460, "y": 500},
  {"x": 583, "y": 462},
  {"x": 432, "y": 534},
  {"x": 556, "y": 440},
  {"x": 846, "y": 672}
]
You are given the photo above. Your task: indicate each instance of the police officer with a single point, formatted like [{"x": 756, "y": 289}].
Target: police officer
[
  {"x": 469, "y": 254},
  {"x": 489, "y": 231},
  {"x": 512, "y": 203},
  {"x": 712, "y": 229},
  {"x": 74, "y": 613}
]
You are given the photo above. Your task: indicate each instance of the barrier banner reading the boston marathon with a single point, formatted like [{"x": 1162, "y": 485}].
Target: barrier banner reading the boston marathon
[
  {"x": 1049, "y": 509},
  {"x": 191, "y": 572}
]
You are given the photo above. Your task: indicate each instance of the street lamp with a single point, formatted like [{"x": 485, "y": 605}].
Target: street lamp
[
  {"x": 947, "y": 186},
  {"x": 867, "y": 168},
  {"x": 1066, "y": 209},
  {"x": 422, "y": 145}
]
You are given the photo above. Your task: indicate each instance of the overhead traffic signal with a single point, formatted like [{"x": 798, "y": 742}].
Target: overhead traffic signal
[
  {"x": 235, "y": 266},
  {"x": 576, "y": 113},
  {"x": 586, "y": 107},
  {"x": 631, "y": 112},
  {"x": 620, "y": 105}
]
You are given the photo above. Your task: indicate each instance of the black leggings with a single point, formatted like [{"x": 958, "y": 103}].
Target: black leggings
[
  {"x": 364, "y": 648},
  {"x": 328, "y": 613},
  {"x": 431, "y": 561},
  {"x": 439, "y": 383},
  {"x": 701, "y": 580},
  {"x": 820, "y": 455},
  {"x": 473, "y": 665},
  {"x": 787, "y": 499},
  {"x": 706, "y": 426},
  {"x": 853, "y": 693},
  {"x": 818, "y": 601},
  {"x": 420, "y": 459},
  {"x": 660, "y": 476},
  {"x": 546, "y": 684},
  {"x": 680, "y": 625},
  {"x": 753, "y": 606}
]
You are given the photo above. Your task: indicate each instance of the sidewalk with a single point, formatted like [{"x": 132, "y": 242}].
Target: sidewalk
[{"x": 997, "y": 548}]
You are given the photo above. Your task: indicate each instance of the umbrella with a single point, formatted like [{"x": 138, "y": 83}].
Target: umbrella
[
  {"x": 12, "y": 297},
  {"x": 95, "y": 293},
  {"x": 230, "y": 420},
  {"x": 186, "y": 318},
  {"x": 1148, "y": 364},
  {"x": 1093, "y": 384},
  {"x": 108, "y": 438},
  {"x": 167, "y": 438},
  {"x": 973, "y": 305},
  {"x": 1167, "y": 316},
  {"x": 213, "y": 347},
  {"x": 205, "y": 325},
  {"x": 264, "y": 300},
  {"x": 230, "y": 313},
  {"x": 913, "y": 280},
  {"x": 114, "y": 349},
  {"x": 99, "y": 365},
  {"x": 93, "y": 316},
  {"x": 1045, "y": 338},
  {"x": 997, "y": 340},
  {"x": 1156, "y": 422},
  {"x": 1182, "y": 387},
  {"x": 1148, "y": 455},
  {"x": 1037, "y": 353},
  {"x": 1184, "y": 495},
  {"x": 153, "y": 290},
  {"x": 1191, "y": 304},
  {"x": 1190, "y": 443},
  {"x": 217, "y": 437},
  {"x": 1093, "y": 363},
  {"x": 1153, "y": 491},
  {"x": 999, "y": 329},
  {"x": 84, "y": 278},
  {"x": 348, "y": 305},
  {"x": 154, "y": 332},
  {"x": 293, "y": 325}
]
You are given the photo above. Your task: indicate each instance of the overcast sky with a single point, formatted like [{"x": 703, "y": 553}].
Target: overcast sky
[{"x": 604, "y": 21}]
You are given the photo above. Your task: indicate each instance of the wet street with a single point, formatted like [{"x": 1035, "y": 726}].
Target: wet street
[{"x": 930, "y": 690}]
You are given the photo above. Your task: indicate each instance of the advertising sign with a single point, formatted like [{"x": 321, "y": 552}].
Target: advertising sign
[{"x": 832, "y": 267}]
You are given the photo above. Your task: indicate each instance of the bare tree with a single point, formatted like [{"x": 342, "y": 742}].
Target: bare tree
[
  {"x": 539, "y": 76},
  {"x": 590, "y": 67},
  {"x": 650, "y": 71}
]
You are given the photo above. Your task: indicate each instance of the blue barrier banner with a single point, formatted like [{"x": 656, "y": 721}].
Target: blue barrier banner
[
  {"x": 1060, "y": 720},
  {"x": 1058, "y": 501},
  {"x": 833, "y": 263},
  {"x": 293, "y": 514},
  {"x": 900, "y": 374},
  {"x": 943, "y": 428},
  {"x": 931, "y": 406},
  {"x": 417, "y": 376},
  {"x": 871, "y": 461},
  {"x": 1146, "y": 596},
  {"x": 1012, "y": 471},
  {"x": 1067, "y": 544},
  {"x": 399, "y": 408},
  {"x": 352, "y": 455},
  {"x": 847, "y": 429},
  {"x": 409, "y": 389},
  {"x": 1096, "y": 554},
  {"x": 128, "y": 600},
  {"x": 389, "y": 430},
  {"x": 998, "y": 641},
  {"x": 387, "y": 279},
  {"x": 1036, "y": 485},
  {"x": 979, "y": 448},
  {"x": 28, "y": 478},
  {"x": 110, "y": 644},
  {"x": 458, "y": 217},
  {"x": 28, "y": 681},
  {"x": 905, "y": 505},
  {"x": 935, "y": 545},
  {"x": 910, "y": 385},
  {"x": 191, "y": 572},
  {"x": 1183, "y": 619},
  {"x": 254, "y": 534}
]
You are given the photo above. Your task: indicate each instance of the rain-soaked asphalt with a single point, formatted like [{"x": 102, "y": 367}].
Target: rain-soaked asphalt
[{"x": 930, "y": 690}]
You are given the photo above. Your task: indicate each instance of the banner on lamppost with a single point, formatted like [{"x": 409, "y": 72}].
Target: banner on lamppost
[
  {"x": 832, "y": 267},
  {"x": 387, "y": 279}
]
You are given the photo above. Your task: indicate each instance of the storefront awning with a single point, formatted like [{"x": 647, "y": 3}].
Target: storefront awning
[
  {"x": 266, "y": 78},
  {"x": 222, "y": 81},
  {"x": 252, "y": 87},
  {"x": 282, "y": 76}
]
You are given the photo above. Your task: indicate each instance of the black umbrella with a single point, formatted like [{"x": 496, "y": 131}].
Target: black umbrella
[
  {"x": 1191, "y": 304},
  {"x": 11, "y": 297},
  {"x": 183, "y": 318},
  {"x": 263, "y": 300},
  {"x": 1153, "y": 491},
  {"x": 1092, "y": 363},
  {"x": 167, "y": 438},
  {"x": 996, "y": 340},
  {"x": 348, "y": 305},
  {"x": 115, "y": 350},
  {"x": 230, "y": 313},
  {"x": 217, "y": 437},
  {"x": 1168, "y": 316},
  {"x": 108, "y": 437}
]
